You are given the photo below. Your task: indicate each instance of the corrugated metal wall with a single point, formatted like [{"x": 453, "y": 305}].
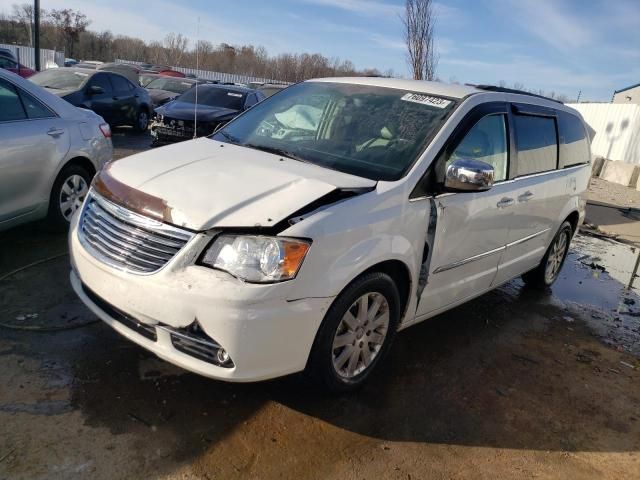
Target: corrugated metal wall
[
  {"x": 209, "y": 75},
  {"x": 25, "y": 56},
  {"x": 617, "y": 129}
]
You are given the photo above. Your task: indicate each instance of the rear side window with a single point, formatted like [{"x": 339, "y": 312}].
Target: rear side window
[
  {"x": 35, "y": 109},
  {"x": 537, "y": 144},
  {"x": 120, "y": 84},
  {"x": 574, "y": 143},
  {"x": 101, "y": 80},
  {"x": 10, "y": 105}
]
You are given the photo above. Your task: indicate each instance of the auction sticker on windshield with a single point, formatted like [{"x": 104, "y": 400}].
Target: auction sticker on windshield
[{"x": 426, "y": 100}]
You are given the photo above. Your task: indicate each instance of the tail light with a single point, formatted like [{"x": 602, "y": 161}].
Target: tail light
[{"x": 106, "y": 130}]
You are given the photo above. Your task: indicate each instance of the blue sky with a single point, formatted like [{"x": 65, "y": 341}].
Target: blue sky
[{"x": 556, "y": 45}]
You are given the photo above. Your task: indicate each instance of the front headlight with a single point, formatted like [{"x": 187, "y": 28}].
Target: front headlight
[{"x": 257, "y": 258}]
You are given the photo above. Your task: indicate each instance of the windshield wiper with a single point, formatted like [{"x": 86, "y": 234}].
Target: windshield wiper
[
  {"x": 277, "y": 151},
  {"x": 229, "y": 137}
]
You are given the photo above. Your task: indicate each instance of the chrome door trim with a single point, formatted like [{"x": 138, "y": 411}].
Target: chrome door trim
[
  {"x": 480, "y": 256},
  {"x": 459, "y": 263},
  {"x": 526, "y": 239}
]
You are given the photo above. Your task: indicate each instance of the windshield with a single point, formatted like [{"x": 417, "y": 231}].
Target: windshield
[
  {"x": 60, "y": 79},
  {"x": 368, "y": 131},
  {"x": 175, "y": 85},
  {"x": 214, "y": 97}
]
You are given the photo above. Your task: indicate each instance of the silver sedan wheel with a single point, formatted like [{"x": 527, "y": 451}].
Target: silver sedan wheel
[
  {"x": 360, "y": 335},
  {"x": 74, "y": 190},
  {"x": 554, "y": 261}
]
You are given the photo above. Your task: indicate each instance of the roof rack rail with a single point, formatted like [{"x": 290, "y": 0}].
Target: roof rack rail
[{"x": 494, "y": 88}]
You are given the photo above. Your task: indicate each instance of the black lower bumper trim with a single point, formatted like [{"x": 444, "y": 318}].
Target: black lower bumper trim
[{"x": 146, "y": 331}]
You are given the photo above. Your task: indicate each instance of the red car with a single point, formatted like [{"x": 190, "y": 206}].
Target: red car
[{"x": 15, "y": 67}]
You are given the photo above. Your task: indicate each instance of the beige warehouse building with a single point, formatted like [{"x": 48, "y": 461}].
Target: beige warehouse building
[{"x": 628, "y": 95}]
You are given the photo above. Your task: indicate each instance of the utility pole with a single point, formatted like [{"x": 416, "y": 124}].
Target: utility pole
[
  {"x": 579, "y": 95},
  {"x": 36, "y": 33}
]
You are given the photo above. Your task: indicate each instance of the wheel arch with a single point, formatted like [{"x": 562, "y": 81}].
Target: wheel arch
[{"x": 401, "y": 276}]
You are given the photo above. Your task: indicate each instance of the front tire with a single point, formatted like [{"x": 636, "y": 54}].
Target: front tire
[
  {"x": 549, "y": 268},
  {"x": 142, "y": 121},
  {"x": 67, "y": 195},
  {"x": 356, "y": 333}
]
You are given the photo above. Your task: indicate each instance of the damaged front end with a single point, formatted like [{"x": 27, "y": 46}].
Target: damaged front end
[{"x": 166, "y": 130}]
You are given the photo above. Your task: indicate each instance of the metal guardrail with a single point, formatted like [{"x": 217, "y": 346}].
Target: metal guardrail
[
  {"x": 210, "y": 75},
  {"x": 25, "y": 56}
]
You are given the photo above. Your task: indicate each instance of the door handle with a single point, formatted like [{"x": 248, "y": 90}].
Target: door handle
[
  {"x": 525, "y": 197},
  {"x": 505, "y": 202},
  {"x": 54, "y": 132},
  {"x": 116, "y": 98}
]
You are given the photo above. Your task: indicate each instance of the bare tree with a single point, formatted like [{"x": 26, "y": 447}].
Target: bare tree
[
  {"x": 176, "y": 47},
  {"x": 23, "y": 14},
  {"x": 70, "y": 24},
  {"x": 419, "y": 23}
]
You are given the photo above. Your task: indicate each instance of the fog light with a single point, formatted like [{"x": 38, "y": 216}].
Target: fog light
[{"x": 222, "y": 356}]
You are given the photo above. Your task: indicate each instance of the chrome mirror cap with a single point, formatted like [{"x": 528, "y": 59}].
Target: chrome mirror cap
[{"x": 468, "y": 174}]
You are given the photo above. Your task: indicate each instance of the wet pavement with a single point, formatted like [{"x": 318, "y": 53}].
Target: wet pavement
[{"x": 515, "y": 384}]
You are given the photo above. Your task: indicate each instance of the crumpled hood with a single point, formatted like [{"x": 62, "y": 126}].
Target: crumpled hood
[
  {"x": 158, "y": 96},
  {"x": 202, "y": 184},
  {"x": 185, "y": 111}
]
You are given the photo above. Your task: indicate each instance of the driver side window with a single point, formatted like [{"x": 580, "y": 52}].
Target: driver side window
[{"x": 487, "y": 142}]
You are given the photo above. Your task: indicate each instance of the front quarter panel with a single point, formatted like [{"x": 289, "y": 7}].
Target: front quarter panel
[{"x": 356, "y": 234}]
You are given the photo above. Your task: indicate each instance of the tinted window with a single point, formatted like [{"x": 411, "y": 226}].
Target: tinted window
[
  {"x": 101, "y": 80},
  {"x": 251, "y": 100},
  {"x": 214, "y": 97},
  {"x": 34, "y": 108},
  {"x": 537, "y": 144},
  {"x": 486, "y": 141},
  {"x": 10, "y": 105},
  {"x": 574, "y": 143},
  {"x": 120, "y": 84},
  {"x": 7, "y": 63}
]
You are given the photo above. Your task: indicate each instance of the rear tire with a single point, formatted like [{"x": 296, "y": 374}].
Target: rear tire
[
  {"x": 353, "y": 340},
  {"x": 549, "y": 268},
  {"x": 67, "y": 195}
]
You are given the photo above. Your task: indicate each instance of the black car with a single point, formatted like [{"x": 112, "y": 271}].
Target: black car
[
  {"x": 109, "y": 94},
  {"x": 217, "y": 104}
]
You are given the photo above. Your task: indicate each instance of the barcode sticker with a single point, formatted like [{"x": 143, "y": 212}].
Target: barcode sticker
[{"x": 426, "y": 100}]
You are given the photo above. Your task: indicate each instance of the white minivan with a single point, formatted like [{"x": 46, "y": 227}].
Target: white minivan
[{"x": 309, "y": 230}]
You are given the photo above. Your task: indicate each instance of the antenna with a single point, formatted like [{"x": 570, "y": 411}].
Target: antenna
[{"x": 195, "y": 110}]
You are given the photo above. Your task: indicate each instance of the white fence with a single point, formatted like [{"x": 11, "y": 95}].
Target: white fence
[
  {"x": 26, "y": 56},
  {"x": 617, "y": 129},
  {"x": 209, "y": 75}
]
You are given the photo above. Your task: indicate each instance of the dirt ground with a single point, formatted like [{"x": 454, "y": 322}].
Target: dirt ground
[{"x": 515, "y": 384}]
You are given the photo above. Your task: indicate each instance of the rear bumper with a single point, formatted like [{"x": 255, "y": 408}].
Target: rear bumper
[{"x": 265, "y": 335}]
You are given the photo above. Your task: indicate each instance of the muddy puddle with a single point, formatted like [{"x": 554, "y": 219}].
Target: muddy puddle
[{"x": 595, "y": 280}]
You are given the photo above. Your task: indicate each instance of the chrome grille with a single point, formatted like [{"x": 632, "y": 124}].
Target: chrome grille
[{"x": 126, "y": 240}]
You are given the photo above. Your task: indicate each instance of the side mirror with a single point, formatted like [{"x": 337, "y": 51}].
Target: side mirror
[
  {"x": 467, "y": 174},
  {"x": 95, "y": 90}
]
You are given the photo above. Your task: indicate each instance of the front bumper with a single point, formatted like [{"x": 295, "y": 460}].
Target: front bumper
[{"x": 265, "y": 334}]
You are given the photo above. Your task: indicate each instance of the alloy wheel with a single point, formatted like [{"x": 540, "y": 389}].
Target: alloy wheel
[
  {"x": 72, "y": 193},
  {"x": 556, "y": 257},
  {"x": 360, "y": 334}
]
